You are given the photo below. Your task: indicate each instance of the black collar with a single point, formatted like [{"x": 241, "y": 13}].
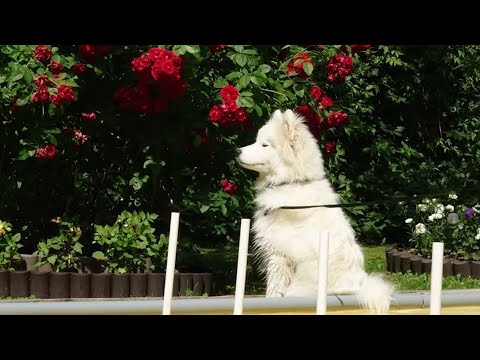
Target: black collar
[{"x": 297, "y": 182}]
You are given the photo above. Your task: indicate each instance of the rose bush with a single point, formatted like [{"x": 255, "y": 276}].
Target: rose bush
[{"x": 89, "y": 131}]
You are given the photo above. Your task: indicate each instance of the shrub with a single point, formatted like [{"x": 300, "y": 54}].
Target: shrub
[
  {"x": 126, "y": 245},
  {"x": 63, "y": 251},
  {"x": 456, "y": 225}
]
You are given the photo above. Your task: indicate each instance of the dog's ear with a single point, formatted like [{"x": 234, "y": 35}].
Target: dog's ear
[
  {"x": 291, "y": 128},
  {"x": 291, "y": 125}
]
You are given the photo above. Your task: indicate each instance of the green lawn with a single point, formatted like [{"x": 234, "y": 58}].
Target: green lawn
[{"x": 225, "y": 266}]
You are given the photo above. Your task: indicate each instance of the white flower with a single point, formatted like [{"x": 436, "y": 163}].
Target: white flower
[
  {"x": 477, "y": 237},
  {"x": 453, "y": 196},
  {"x": 435, "y": 216},
  {"x": 450, "y": 208},
  {"x": 422, "y": 207},
  {"x": 408, "y": 221},
  {"x": 439, "y": 208},
  {"x": 420, "y": 228}
]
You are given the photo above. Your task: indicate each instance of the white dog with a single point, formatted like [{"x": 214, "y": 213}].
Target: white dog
[{"x": 291, "y": 173}]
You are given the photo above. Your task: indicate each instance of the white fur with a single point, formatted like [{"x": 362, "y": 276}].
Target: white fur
[{"x": 291, "y": 173}]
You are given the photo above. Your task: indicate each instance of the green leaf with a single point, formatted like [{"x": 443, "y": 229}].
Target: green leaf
[
  {"x": 264, "y": 68},
  {"x": 308, "y": 67},
  {"x": 233, "y": 75},
  {"x": 51, "y": 259},
  {"x": 244, "y": 81},
  {"x": 248, "y": 102},
  {"x": 99, "y": 255},
  {"x": 258, "y": 78},
  {"x": 70, "y": 82},
  {"x": 223, "y": 208},
  {"x": 204, "y": 208},
  {"x": 77, "y": 248},
  {"x": 24, "y": 154},
  {"x": 235, "y": 201},
  {"x": 220, "y": 83},
  {"x": 16, "y": 237},
  {"x": 258, "y": 110},
  {"x": 287, "y": 83},
  {"x": 241, "y": 59},
  {"x": 23, "y": 101},
  {"x": 16, "y": 77}
]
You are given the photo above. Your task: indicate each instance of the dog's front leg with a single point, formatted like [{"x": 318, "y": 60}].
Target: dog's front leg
[{"x": 279, "y": 275}]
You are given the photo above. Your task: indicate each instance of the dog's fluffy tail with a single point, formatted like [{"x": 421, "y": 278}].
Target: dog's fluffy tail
[{"x": 375, "y": 293}]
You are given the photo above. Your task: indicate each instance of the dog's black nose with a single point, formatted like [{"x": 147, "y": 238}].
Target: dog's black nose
[{"x": 238, "y": 151}]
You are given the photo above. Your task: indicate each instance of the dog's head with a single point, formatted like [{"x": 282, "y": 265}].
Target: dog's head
[{"x": 285, "y": 151}]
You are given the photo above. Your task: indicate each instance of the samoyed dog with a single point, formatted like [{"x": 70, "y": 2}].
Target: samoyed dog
[{"x": 286, "y": 243}]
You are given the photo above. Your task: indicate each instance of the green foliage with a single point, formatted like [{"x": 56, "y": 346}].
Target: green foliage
[
  {"x": 126, "y": 245},
  {"x": 413, "y": 127},
  {"x": 9, "y": 247},
  {"x": 63, "y": 251}
]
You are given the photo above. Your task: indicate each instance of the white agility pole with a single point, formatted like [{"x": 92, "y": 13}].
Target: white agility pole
[
  {"x": 322, "y": 273},
  {"x": 172, "y": 252},
  {"x": 241, "y": 267},
  {"x": 436, "y": 280}
]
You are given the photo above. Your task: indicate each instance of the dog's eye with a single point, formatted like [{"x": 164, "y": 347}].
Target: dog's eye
[{"x": 264, "y": 145}]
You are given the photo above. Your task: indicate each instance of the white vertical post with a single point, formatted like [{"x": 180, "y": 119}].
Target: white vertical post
[
  {"x": 241, "y": 267},
  {"x": 322, "y": 273},
  {"x": 172, "y": 252},
  {"x": 436, "y": 279}
]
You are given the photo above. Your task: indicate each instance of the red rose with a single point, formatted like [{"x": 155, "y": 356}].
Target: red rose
[
  {"x": 64, "y": 95},
  {"x": 215, "y": 113},
  {"x": 338, "y": 67},
  {"x": 42, "y": 54},
  {"x": 47, "y": 152},
  {"x": 90, "y": 52},
  {"x": 229, "y": 93},
  {"x": 55, "y": 67},
  {"x": 241, "y": 115},
  {"x": 337, "y": 119},
  {"x": 330, "y": 147},
  {"x": 78, "y": 68},
  {"x": 319, "y": 47},
  {"x": 42, "y": 81},
  {"x": 88, "y": 116},
  {"x": 41, "y": 95},
  {"x": 156, "y": 53},
  {"x": 216, "y": 48},
  {"x": 296, "y": 65},
  {"x": 141, "y": 64},
  {"x": 326, "y": 102},
  {"x": 167, "y": 67},
  {"x": 316, "y": 93},
  {"x": 228, "y": 187},
  {"x": 359, "y": 48},
  {"x": 231, "y": 105}
]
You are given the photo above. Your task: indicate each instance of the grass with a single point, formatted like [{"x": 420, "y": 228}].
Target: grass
[
  {"x": 375, "y": 262},
  {"x": 225, "y": 264}
]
